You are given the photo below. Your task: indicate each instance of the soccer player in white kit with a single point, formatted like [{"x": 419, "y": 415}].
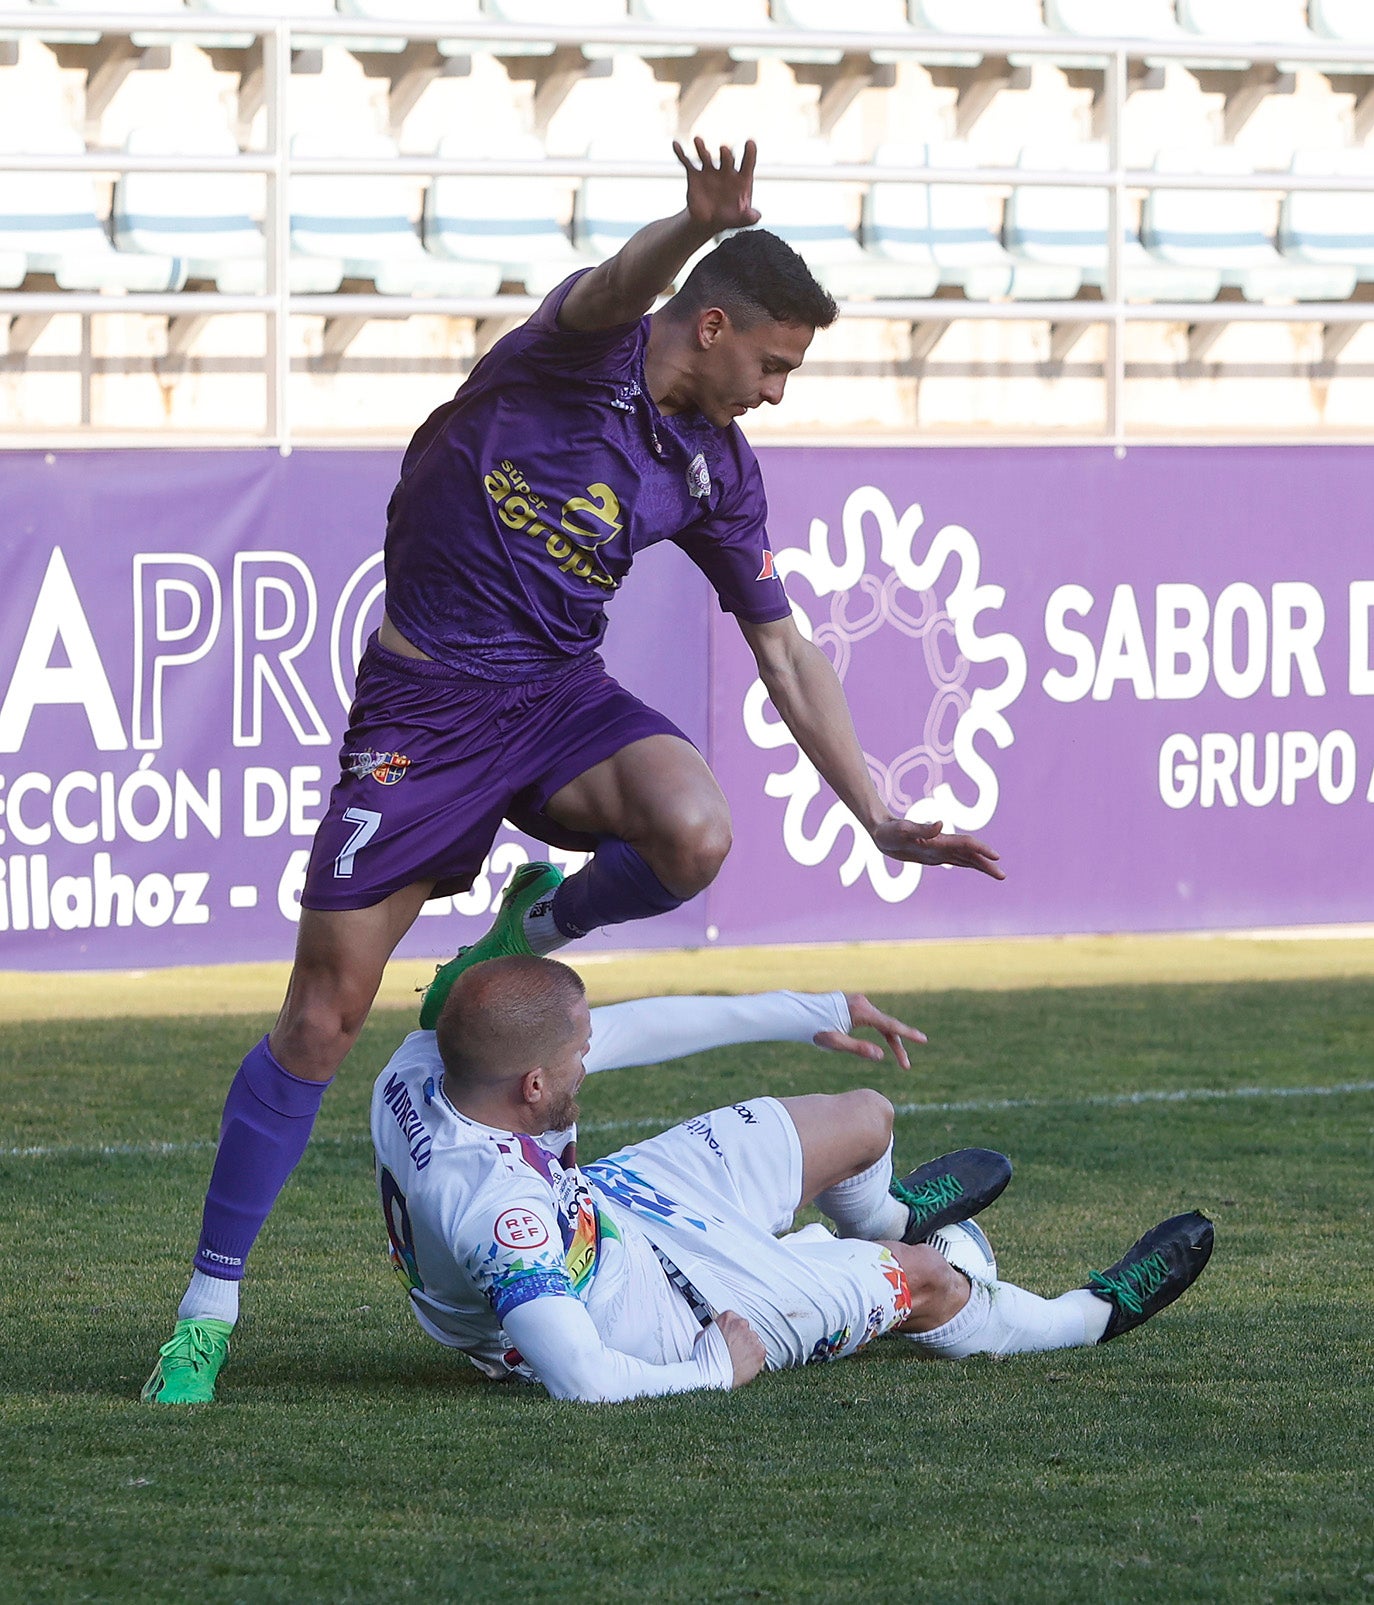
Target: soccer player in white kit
[{"x": 669, "y": 1265}]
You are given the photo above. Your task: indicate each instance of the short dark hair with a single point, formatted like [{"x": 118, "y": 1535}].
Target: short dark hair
[
  {"x": 504, "y": 1016},
  {"x": 752, "y": 276}
]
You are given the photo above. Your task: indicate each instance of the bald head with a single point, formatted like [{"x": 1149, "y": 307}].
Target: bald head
[{"x": 503, "y": 1018}]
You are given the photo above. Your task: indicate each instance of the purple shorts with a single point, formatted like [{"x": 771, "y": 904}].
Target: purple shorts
[{"x": 434, "y": 760}]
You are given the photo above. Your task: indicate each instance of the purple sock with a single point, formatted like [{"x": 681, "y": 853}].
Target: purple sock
[
  {"x": 268, "y": 1117},
  {"x": 616, "y": 886}
]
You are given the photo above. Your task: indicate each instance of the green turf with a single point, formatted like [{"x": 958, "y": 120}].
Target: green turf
[{"x": 1222, "y": 1453}]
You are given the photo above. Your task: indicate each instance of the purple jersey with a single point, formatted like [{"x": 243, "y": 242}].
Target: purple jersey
[{"x": 523, "y": 501}]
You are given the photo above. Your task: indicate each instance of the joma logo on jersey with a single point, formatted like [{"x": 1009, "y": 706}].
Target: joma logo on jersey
[{"x": 386, "y": 768}]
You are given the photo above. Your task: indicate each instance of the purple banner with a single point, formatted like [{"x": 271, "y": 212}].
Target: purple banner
[{"x": 1146, "y": 681}]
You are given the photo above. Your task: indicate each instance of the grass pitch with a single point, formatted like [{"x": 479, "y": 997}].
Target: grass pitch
[{"x": 1221, "y": 1453}]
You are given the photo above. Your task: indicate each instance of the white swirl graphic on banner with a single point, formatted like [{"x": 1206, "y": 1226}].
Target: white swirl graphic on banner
[{"x": 898, "y": 592}]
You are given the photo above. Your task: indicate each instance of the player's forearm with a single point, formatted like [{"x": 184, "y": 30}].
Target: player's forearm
[
  {"x": 625, "y": 286},
  {"x": 652, "y": 1030},
  {"x": 559, "y": 1342},
  {"x": 807, "y": 694}
]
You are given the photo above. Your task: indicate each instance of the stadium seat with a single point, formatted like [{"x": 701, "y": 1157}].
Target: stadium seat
[
  {"x": 1238, "y": 25},
  {"x": 539, "y": 13},
  {"x": 1350, "y": 22},
  {"x": 861, "y": 16},
  {"x": 1068, "y": 227},
  {"x": 951, "y": 226},
  {"x": 52, "y": 220},
  {"x": 211, "y": 220},
  {"x": 456, "y": 12},
  {"x": 858, "y": 16},
  {"x": 364, "y": 222},
  {"x": 978, "y": 77},
  {"x": 545, "y": 13},
  {"x": 817, "y": 219},
  {"x": 720, "y": 16},
  {"x": 607, "y": 211},
  {"x": 1246, "y": 21},
  {"x": 511, "y": 222},
  {"x": 1113, "y": 19},
  {"x": 1330, "y": 226},
  {"x": 429, "y": 11},
  {"x": 287, "y": 10},
  {"x": 136, "y": 9},
  {"x": 1234, "y": 231},
  {"x": 14, "y": 265},
  {"x": 991, "y": 17},
  {"x": 1015, "y": 17}
]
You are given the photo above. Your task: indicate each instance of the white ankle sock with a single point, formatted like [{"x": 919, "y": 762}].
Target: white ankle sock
[
  {"x": 209, "y": 1298},
  {"x": 1000, "y": 1318},
  {"x": 863, "y": 1207},
  {"x": 540, "y": 931}
]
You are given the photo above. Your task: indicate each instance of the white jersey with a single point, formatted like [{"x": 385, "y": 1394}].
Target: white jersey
[{"x": 515, "y": 1255}]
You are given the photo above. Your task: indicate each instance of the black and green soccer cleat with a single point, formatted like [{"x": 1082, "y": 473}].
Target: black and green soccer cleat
[
  {"x": 1153, "y": 1272},
  {"x": 528, "y": 885},
  {"x": 188, "y": 1364},
  {"x": 952, "y": 1188}
]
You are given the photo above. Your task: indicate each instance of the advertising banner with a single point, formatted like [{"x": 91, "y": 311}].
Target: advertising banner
[{"x": 1146, "y": 681}]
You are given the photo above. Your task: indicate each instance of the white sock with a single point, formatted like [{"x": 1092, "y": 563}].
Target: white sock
[
  {"x": 540, "y": 931},
  {"x": 863, "y": 1207},
  {"x": 209, "y": 1298},
  {"x": 1000, "y": 1318}
]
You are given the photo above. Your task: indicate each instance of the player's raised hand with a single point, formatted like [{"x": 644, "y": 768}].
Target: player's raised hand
[
  {"x": 720, "y": 195},
  {"x": 745, "y": 1346},
  {"x": 924, "y": 844},
  {"x": 863, "y": 1014}
]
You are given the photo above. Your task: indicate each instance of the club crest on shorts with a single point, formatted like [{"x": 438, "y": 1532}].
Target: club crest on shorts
[
  {"x": 386, "y": 768},
  {"x": 699, "y": 477},
  {"x": 828, "y": 1348}
]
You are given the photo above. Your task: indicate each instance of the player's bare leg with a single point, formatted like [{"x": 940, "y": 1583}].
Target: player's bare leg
[
  {"x": 846, "y": 1143},
  {"x": 954, "y": 1315},
  {"x": 659, "y": 797},
  {"x": 841, "y": 1134},
  {"x": 268, "y": 1116},
  {"x": 340, "y": 959}
]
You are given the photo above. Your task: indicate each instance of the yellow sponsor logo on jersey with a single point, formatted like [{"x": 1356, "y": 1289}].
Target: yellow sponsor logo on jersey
[{"x": 571, "y": 538}]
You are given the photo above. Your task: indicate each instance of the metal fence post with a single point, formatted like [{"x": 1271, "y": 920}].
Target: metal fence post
[{"x": 277, "y": 227}]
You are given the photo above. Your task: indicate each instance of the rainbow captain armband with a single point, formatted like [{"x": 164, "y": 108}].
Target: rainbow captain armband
[{"x": 519, "y": 1284}]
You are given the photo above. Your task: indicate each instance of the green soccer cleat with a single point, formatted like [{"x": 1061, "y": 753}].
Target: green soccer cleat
[
  {"x": 529, "y": 885},
  {"x": 188, "y": 1364},
  {"x": 1152, "y": 1273}
]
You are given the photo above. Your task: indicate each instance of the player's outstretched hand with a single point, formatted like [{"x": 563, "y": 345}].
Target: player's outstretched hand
[
  {"x": 720, "y": 195},
  {"x": 924, "y": 844},
  {"x": 863, "y": 1014},
  {"x": 744, "y": 1344}
]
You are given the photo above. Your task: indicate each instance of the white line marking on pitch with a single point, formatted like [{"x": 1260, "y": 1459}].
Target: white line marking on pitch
[{"x": 972, "y": 1106}]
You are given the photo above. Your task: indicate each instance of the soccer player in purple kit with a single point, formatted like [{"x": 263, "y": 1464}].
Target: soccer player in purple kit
[{"x": 593, "y": 431}]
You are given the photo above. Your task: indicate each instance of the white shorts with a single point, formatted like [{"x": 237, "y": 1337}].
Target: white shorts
[{"x": 714, "y": 1192}]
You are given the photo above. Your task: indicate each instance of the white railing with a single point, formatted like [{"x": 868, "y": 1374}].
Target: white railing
[{"x": 1111, "y": 56}]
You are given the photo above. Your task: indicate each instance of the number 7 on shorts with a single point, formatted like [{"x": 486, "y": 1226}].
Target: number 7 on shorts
[{"x": 365, "y": 822}]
